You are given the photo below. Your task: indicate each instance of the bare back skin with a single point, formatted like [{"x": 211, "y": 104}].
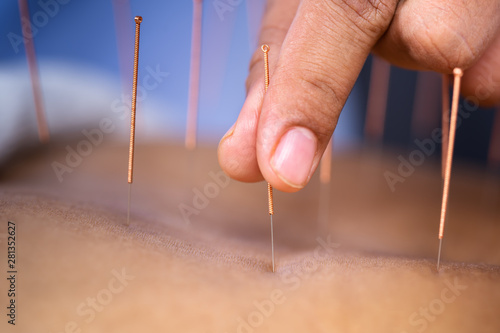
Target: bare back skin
[{"x": 196, "y": 256}]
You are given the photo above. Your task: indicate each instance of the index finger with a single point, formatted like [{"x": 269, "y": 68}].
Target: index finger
[{"x": 319, "y": 62}]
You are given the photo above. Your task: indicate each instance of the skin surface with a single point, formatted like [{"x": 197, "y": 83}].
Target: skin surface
[
  {"x": 374, "y": 272},
  {"x": 317, "y": 51}
]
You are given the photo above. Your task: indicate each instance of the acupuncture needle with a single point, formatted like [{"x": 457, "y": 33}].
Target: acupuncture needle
[
  {"x": 377, "y": 99},
  {"x": 457, "y": 73},
  {"x": 494, "y": 149},
  {"x": 426, "y": 109},
  {"x": 194, "y": 76},
  {"x": 376, "y": 109},
  {"x": 265, "y": 49},
  {"x": 324, "y": 195},
  {"x": 492, "y": 188},
  {"x": 43, "y": 130},
  {"x": 138, "y": 20},
  {"x": 445, "y": 120}
]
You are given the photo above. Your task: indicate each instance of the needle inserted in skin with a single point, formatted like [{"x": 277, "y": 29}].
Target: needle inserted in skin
[
  {"x": 265, "y": 49},
  {"x": 43, "y": 130},
  {"x": 194, "y": 76},
  {"x": 457, "y": 72},
  {"x": 138, "y": 20}
]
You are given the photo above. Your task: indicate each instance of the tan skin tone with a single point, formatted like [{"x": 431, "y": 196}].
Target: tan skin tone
[
  {"x": 317, "y": 51},
  {"x": 377, "y": 272}
]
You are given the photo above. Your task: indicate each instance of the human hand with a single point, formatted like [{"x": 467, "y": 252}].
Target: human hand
[{"x": 317, "y": 51}]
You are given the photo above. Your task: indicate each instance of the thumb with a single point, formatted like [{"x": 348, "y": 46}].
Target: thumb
[{"x": 319, "y": 62}]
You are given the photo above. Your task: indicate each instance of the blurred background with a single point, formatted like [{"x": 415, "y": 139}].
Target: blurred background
[{"x": 84, "y": 52}]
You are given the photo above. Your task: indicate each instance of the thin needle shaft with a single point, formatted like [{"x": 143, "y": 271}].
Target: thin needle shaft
[
  {"x": 425, "y": 106},
  {"x": 265, "y": 49},
  {"x": 138, "y": 20},
  {"x": 494, "y": 149},
  {"x": 324, "y": 195},
  {"x": 194, "y": 76},
  {"x": 326, "y": 164},
  {"x": 457, "y": 72},
  {"x": 271, "y": 213},
  {"x": 445, "y": 121},
  {"x": 272, "y": 240},
  {"x": 377, "y": 99},
  {"x": 43, "y": 130},
  {"x": 439, "y": 252},
  {"x": 128, "y": 202}
]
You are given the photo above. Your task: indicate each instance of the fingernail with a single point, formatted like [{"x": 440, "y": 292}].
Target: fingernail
[
  {"x": 293, "y": 158},
  {"x": 228, "y": 133}
]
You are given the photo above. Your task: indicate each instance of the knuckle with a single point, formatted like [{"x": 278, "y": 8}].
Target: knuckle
[
  {"x": 371, "y": 16},
  {"x": 256, "y": 61},
  {"x": 440, "y": 36},
  {"x": 444, "y": 44},
  {"x": 274, "y": 31},
  {"x": 315, "y": 97}
]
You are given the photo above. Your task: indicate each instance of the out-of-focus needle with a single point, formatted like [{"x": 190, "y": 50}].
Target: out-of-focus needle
[
  {"x": 377, "y": 99},
  {"x": 194, "y": 76},
  {"x": 494, "y": 149},
  {"x": 324, "y": 194},
  {"x": 43, "y": 130}
]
